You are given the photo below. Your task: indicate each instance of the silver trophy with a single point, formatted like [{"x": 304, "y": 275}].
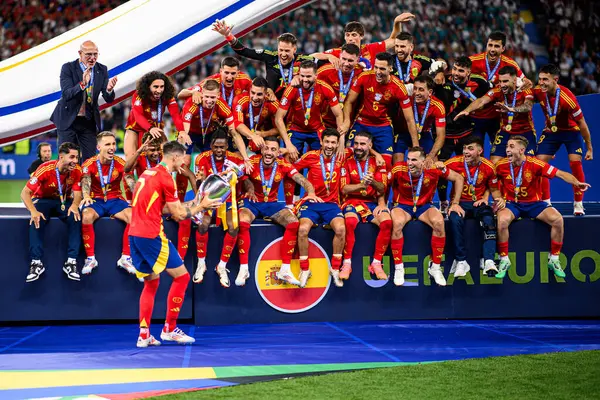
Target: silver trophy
[{"x": 217, "y": 186}]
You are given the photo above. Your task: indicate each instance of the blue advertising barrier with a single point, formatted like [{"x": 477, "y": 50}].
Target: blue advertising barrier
[{"x": 529, "y": 290}]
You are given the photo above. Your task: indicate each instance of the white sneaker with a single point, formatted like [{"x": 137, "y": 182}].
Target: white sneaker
[
  {"x": 336, "y": 277},
  {"x": 489, "y": 267},
  {"x": 462, "y": 267},
  {"x": 89, "y": 265},
  {"x": 578, "y": 209},
  {"x": 143, "y": 343},
  {"x": 200, "y": 270},
  {"x": 287, "y": 275},
  {"x": 223, "y": 277},
  {"x": 177, "y": 335},
  {"x": 304, "y": 275},
  {"x": 399, "y": 275},
  {"x": 436, "y": 273},
  {"x": 126, "y": 263},
  {"x": 242, "y": 275}
]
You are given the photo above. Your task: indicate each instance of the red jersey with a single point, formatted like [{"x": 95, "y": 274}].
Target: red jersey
[
  {"x": 312, "y": 161},
  {"x": 284, "y": 169},
  {"x": 411, "y": 68},
  {"x": 368, "y": 51},
  {"x": 146, "y": 114},
  {"x": 43, "y": 183},
  {"x": 568, "y": 112},
  {"x": 241, "y": 84},
  {"x": 351, "y": 175},
  {"x": 403, "y": 187},
  {"x": 531, "y": 186},
  {"x": 323, "y": 97},
  {"x": 522, "y": 122},
  {"x": 219, "y": 114},
  {"x": 143, "y": 163},
  {"x": 153, "y": 190},
  {"x": 377, "y": 98},
  {"x": 479, "y": 68},
  {"x": 263, "y": 116},
  {"x": 206, "y": 162},
  {"x": 436, "y": 114},
  {"x": 486, "y": 177},
  {"x": 112, "y": 182},
  {"x": 330, "y": 75}
]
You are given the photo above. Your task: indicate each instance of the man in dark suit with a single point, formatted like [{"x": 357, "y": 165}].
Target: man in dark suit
[{"x": 77, "y": 116}]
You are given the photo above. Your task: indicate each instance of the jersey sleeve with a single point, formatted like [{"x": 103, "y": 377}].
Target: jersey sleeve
[
  {"x": 332, "y": 98},
  {"x": 175, "y": 115},
  {"x": 357, "y": 86},
  {"x": 402, "y": 94},
  {"x": 548, "y": 171},
  {"x": 254, "y": 54},
  {"x": 528, "y": 94},
  {"x": 88, "y": 167},
  {"x": 305, "y": 161},
  {"x": 225, "y": 113},
  {"x": 239, "y": 106},
  {"x": 494, "y": 94},
  {"x": 439, "y": 113},
  {"x": 35, "y": 182},
  {"x": 137, "y": 109},
  {"x": 76, "y": 176},
  {"x": 288, "y": 97},
  {"x": 170, "y": 188},
  {"x": 573, "y": 104},
  {"x": 188, "y": 110},
  {"x": 289, "y": 170},
  {"x": 482, "y": 87}
]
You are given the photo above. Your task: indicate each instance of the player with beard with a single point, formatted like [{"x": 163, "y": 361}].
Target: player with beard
[
  {"x": 280, "y": 65},
  {"x": 519, "y": 176},
  {"x": 515, "y": 107},
  {"x": 261, "y": 187},
  {"x": 102, "y": 197},
  {"x": 565, "y": 125},
  {"x": 406, "y": 65},
  {"x": 207, "y": 163},
  {"x": 488, "y": 65},
  {"x": 153, "y": 95},
  {"x": 324, "y": 173},
  {"x": 479, "y": 181},
  {"x": 48, "y": 194},
  {"x": 413, "y": 187},
  {"x": 363, "y": 185}
]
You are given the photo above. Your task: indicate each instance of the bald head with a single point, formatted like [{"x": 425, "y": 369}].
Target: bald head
[{"x": 88, "y": 53}]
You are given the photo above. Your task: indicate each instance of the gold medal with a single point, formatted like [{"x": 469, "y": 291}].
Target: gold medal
[
  {"x": 266, "y": 198},
  {"x": 415, "y": 208},
  {"x": 363, "y": 192},
  {"x": 62, "y": 207},
  {"x": 306, "y": 122},
  {"x": 508, "y": 128},
  {"x": 105, "y": 198},
  {"x": 554, "y": 128}
]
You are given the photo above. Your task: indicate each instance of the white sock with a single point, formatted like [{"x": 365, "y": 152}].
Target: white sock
[
  {"x": 505, "y": 258},
  {"x": 71, "y": 260},
  {"x": 285, "y": 267},
  {"x": 435, "y": 266},
  {"x": 554, "y": 257},
  {"x": 376, "y": 261},
  {"x": 398, "y": 266},
  {"x": 202, "y": 260},
  {"x": 242, "y": 266},
  {"x": 347, "y": 261},
  {"x": 36, "y": 261},
  {"x": 222, "y": 264}
]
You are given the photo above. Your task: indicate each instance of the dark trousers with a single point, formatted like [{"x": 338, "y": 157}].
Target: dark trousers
[
  {"x": 457, "y": 226},
  {"x": 451, "y": 146},
  {"x": 51, "y": 208},
  {"x": 83, "y": 133}
]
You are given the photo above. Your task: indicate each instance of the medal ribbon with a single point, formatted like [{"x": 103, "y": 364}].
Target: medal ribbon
[
  {"x": 89, "y": 89},
  {"x": 416, "y": 193},
  {"x": 202, "y": 120},
  {"x": 251, "y": 115},
  {"x": 344, "y": 88},
  {"x": 60, "y": 189},
  {"x": 492, "y": 73},
  {"x": 213, "y": 163},
  {"x": 421, "y": 123},
  {"x": 308, "y": 105},
  {"x": 286, "y": 80},
  {"x": 324, "y": 172},
  {"x": 267, "y": 185},
  {"x": 519, "y": 181},
  {"x": 405, "y": 78},
  {"x": 230, "y": 99},
  {"x": 472, "y": 182},
  {"x": 468, "y": 95},
  {"x": 552, "y": 113},
  {"x": 362, "y": 172},
  {"x": 511, "y": 114},
  {"x": 104, "y": 183}
]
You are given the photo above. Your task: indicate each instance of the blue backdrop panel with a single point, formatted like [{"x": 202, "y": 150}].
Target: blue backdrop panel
[{"x": 108, "y": 293}]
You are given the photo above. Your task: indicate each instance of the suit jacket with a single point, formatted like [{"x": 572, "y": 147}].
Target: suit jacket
[{"x": 72, "y": 96}]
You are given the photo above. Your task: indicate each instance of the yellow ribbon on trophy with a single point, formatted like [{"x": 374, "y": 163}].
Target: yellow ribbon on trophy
[{"x": 222, "y": 210}]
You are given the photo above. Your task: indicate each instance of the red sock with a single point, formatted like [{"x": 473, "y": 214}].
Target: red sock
[
  {"x": 437, "y": 248},
  {"x": 397, "y": 246},
  {"x": 244, "y": 242},
  {"x": 288, "y": 243},
  {"x": 288, "y": 187},
  {"x": 126, "y": 251},
  {"x": 555, "y": 248},
  {"x": 228, "y": 245},
  {"x": 89, "y": 239},
  {"x": 503, "y": 249},
  {"x": 545, "y": 189},
  {"x": 147, "y": 304},
  {"x": 383, "y": 239},
  {"x": 336, "y": 262},
  {"x": 183, "y": 237},
  {"x": 175, "y": 300},
  {"x": 351, "y": 224},
  {"x": 577, "y": 170},
  {"x": 201, "y": 242},
  {"x": 182, "y": 185},
  {"x": 304, "y": 265}
]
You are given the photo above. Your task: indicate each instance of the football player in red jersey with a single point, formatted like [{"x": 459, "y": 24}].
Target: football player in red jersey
[
  {"x": 479, "y": 181},
  {"x": 322, "y": 206},
  {"x": 153, "y": 95},
  {"x": 48, "y": 194},
  {"x": 516, "y": 112},
  {"x": 413, "y": 188},
  {"x": 565, "y": 125},
  {"x": 519, "y": 176},
  {"x": 152, "y": 252},
  {"x": 102, "y": 197},
  {"x": 261, "y": 187},
  {"x": 363, "y": 184},
  {"x": 207, "y": 163},
  {"x": 488, "y": 65},
  {"x": 406, "y": 65},
  {"x": 232, "y": 83}
]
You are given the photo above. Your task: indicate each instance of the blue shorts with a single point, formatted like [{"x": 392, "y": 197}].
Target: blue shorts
[
  {"x": 409, "y": 209},
  {"x": 366, "y": 215},
  {"x": 383, "y": 137},
  {"x": 481, "y": 126},
  {"x": 199, "y": 143},
  {"x": 550, "y": 142},
  {"x": 403, "y": 141},
  {"x": 153, "y": 255},
  {"x": 109, "y": 207},
  {"x": 264, "y": 209},
  {"x": 320, "y": 212},
  {"x": 527, "y": 210},
  {"x": 501, "y": 140},
  {"x": 298, "y": 139}
]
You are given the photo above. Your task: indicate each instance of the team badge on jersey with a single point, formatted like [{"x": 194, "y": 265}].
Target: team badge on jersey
[
  {"x": 378, "y": 96},
  {"x": 33, "y": 180},
  {"x": 188, "y": 117}
]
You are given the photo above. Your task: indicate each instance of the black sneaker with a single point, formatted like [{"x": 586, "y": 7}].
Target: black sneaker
[
  {"x": 36, "y": 269},
  {"x": 70, "y": 268}
]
